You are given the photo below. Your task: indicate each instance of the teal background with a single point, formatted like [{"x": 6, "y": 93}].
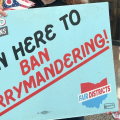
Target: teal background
[{"x": 61, "y": 99}]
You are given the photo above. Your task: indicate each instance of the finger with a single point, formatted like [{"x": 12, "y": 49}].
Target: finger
[
  {"x": 1, "y": 7},
  {"x": 107, "y": 113},
  {"x": 111, "y": 112},
  {"x": 3, "y": 13},
  {"x": 119, "y": 107}
]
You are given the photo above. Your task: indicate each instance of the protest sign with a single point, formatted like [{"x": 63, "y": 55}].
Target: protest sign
[{"x": 56, "y": 62}]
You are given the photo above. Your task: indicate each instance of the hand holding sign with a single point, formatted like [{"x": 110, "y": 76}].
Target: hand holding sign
[{"x": 116, "y": 115}]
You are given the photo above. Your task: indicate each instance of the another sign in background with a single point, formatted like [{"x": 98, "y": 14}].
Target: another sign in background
[{"x": 56, "y": 62}]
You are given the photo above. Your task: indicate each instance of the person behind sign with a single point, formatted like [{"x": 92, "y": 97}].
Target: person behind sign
[{"x": 48, "y": 3}]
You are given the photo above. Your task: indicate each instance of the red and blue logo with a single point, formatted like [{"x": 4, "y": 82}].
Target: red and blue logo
[{"x": 92, "y": 94}]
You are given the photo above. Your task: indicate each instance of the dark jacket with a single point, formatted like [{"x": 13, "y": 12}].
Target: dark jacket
[{"x": 39, "y": 3}]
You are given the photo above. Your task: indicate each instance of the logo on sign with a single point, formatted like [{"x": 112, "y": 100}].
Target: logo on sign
[
  {"x": 3, "y": 30},
  {"x": 109, "y": 105},
  {"x": 92, "y": 94}
]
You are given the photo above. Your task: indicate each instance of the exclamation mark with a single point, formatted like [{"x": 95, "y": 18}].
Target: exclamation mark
[{"x": 105, "y": 34}]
